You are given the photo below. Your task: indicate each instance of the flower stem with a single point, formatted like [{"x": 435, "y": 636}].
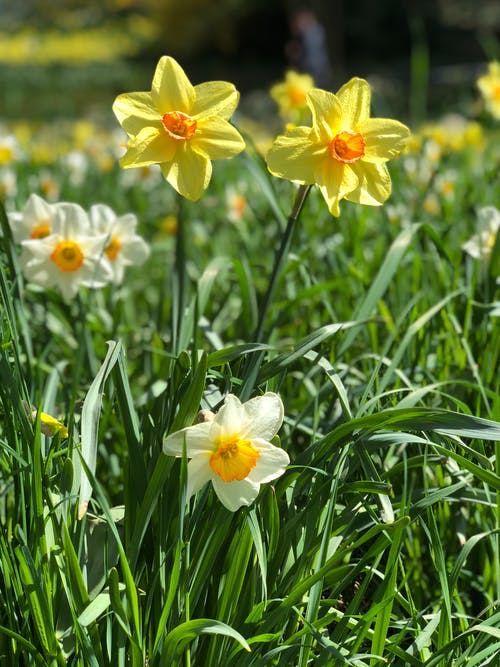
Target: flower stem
[{"x": 281, "y": 256}]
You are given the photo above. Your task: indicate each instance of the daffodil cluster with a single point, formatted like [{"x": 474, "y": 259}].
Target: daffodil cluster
[{"x": 65, "y": 247}]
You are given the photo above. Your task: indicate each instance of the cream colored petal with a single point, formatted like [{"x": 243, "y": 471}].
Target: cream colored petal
[
  {"x": 135, "y": 111},
  {"x": 218, "y": 139},
  {"x": 197, "y": 439},
  {"x": 354, "y": 98},
  {"x": 171, "y": 89},
  {"x": 190, "y": 173},
  {"x": 214, "y": 98},
  {"x": 294, "y": 156},
  {"x": 231, "y": 419},
  {"x": 198, "y": 474},
  {"x": 374, "y": 184},
  {"x": 384, "y": 138},
  {"x": 234, "y": 495},
  {"x": 264, "y": 416},
  {"x": 271, "y": 463},
  {"x": 327, "y": 114},
  {"x": 335, "y": 180},
  {"x": 150, "y": 146}
]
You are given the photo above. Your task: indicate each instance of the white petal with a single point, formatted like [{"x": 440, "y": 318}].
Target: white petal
[
  {"x": 271, "y": 463},
  {"x": 198, "y": 473},
  {"x": 197, "y": 440},
  {"x": 235, "y": 494},
  {"x": 264, "y": 416},
  {"x": 231, "y": 418}
]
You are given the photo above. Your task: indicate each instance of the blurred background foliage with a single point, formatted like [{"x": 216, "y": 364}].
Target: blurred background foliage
[{"x": 68, "y": 57}]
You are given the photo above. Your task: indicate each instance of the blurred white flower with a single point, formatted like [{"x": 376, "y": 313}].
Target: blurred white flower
[
  {"x": 123, "y": 247},
  {"x": 34, "y": 221},
  {"x": 232, "y": 450},
  {"x": 480, "y": 246},
  {"x": 69, "y": 257}
]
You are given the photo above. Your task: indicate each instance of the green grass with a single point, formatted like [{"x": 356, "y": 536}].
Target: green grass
[{"x": 381, "y": 543}]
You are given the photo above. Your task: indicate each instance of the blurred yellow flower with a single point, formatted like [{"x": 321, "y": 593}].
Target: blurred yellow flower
[
  {"x": 180, "y": 126},
  {"x": 489, "y": 87},
  {"x": 291, "y": 95},
  {"x": 345, "y": 150}
]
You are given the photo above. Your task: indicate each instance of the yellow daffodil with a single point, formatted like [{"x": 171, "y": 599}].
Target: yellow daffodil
[
  {"x": 180, "y": 126},
  {"x": 489, "y": 87},
  {"x": 49, "y": 426},
  {"x": 344, "y": 151},
  {"x": 291, "y": 95},
  {"x": 231, "y": 449}
]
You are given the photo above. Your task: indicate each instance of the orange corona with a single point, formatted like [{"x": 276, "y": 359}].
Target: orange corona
[
  {"x": 67, "y": 255},
  {"x": 234, "y": 459},
  {"x": 178, "y": 125},
  {"x": 41, "y": 231},
  {"x": 347, "y": 146}
]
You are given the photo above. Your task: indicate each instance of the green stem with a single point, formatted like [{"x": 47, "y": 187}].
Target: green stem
[
  {"x": 281, "y": 256},
  {"x": 179, "y": 280}
]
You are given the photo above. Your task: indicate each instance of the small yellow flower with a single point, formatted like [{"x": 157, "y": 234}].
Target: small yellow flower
[
  {"x": 179, "y": 126},
  {"x": 291, "y": 94},
  {"x": 489, "y": 87},
  {"x": 344, "y": 151},
  {"x": 49, "y": 425}
]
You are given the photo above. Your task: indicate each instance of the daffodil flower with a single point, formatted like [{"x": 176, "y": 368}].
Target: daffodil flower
[
  {"x": 291, "y": 95},
  {"x": 70, "y": 256},
  {"x": 344, "y": 151},
  {"x": 123, "y": 247},
  {"x": 34, "y": 221},
  {"x": 489, "y": 87},
  {"x": 480, "y": 246},
  {"x": 232, "y": 449},
  {"x": 179, "y": 126},
  {"x": 49, "y": 426}
]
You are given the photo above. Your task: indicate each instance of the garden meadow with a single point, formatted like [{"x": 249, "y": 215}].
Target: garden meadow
[{"x": 249, "y": 391}]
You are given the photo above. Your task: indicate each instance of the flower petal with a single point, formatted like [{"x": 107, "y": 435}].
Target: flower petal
[
  {"x": 198, "y": 474},
  {"x": 374, "y": 184},
  {"x": 235, "y": 494},
  {"x": 335, "y": 181},
  {"x": 214, "y": 98},
  {"x": 264, "y": 416},
  {"x": 231, "y": 418},
  {"x": 190, "y": 173},
  {"x": 271, "y": 463},
  {"x": 295, "y": 156},
  {"x": 150, "y": 146},
  {"x": 327, "y": 114},
  {"x": 135, "y": 111},
  {"x": 171, "y": 89},
  {"x": 384, "y": 138},
  {"x": 354, "y": 98},
  {"x": 197, "y": 440},
  {"x": 218, "y": 139}
]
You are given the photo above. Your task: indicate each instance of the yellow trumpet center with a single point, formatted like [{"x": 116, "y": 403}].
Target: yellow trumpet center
[
  {"x": 233, "y": 458},
  {"x": 41, "y": 231},
  {"x": 113, "y": 248},
  {"x": 347, "y": 146},
  {"x": 178, "y": 125},
  {"x": 67, "y": 255}
]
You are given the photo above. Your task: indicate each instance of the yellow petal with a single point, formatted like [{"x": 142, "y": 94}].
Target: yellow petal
[
  {"x": 190, "y": 173},
  {"x": 171, "y": 89},
  {"x": 384, "y": 138},
  {"x": 214, "y": 98},
  {"x": 354, "y": 98},
  {"x": 326, "y": 113},
  {"x": 295, "y": 157},
  {"x": 374, "y": 184},
  {"x": 135, "y": 111},
  {"x": 335, "y": 181},
  {"x": 150, "y": 146},
  {"x": 217, "y": 139}
]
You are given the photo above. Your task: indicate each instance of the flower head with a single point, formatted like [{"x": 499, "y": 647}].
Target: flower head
[
  {"x": 70, "y": 256},
  {"x": 344, "y": 151},
  {"x": 291, "y": 95},
  {"x": 34, "y": 221},
  {"x": 180, "y": 126},
  {"x": 123, "y": 247},
  {"x": 232, "y": 450},
  {"x": 480, "y": 246},
  {"x": 489, "y": 87}
]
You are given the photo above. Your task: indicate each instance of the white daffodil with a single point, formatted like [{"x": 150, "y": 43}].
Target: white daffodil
[
  {"x": 123, "y": 247},
  {"x": 232, "y": 450},
  {"x": 34, "y": 221},
  {"x": 480, "y": 246},
  {"x": 69, "y": 257}
]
